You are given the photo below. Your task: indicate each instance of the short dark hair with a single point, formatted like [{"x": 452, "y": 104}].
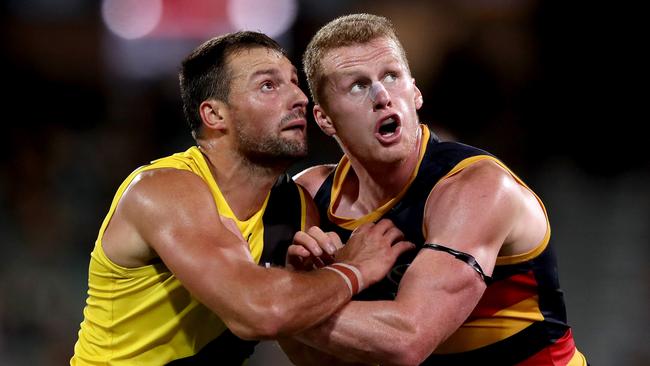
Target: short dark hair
[{"x": 205, "y": 74}]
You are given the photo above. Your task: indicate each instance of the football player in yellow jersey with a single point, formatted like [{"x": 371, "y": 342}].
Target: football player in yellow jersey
[
  {"x": 174, "y": 275},
  {"x": 483, "y": 287}
]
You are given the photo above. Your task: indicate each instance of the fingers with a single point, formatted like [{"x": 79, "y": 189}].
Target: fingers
[
  {"x": 308, "y": 242},
  {"x": 385, "y": 229},
  {"x": 335, "y": 239},
  {"x": 322, "y": 240},
  {"x": 296, "y": 257},
  {"x": 313, "y": 248},
  {"x": 401, "y": 247},
  {"x": 394, "y": 235},
  {"x": 298, "y": 251}
]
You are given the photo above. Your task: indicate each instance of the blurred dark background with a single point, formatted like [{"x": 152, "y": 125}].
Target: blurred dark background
[{"x": 553, "y": 89}]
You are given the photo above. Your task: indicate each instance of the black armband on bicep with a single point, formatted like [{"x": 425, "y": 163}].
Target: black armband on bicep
[{"x": 467, "y": 258}]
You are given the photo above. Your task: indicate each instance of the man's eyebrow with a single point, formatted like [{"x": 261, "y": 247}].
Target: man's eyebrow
[
  {"x": 271, "y": 71},
  {"x": 347, "y": 75}
]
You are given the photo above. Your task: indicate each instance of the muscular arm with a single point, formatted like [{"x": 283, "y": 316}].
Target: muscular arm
[
  {"x": 475, "y": 211},
  {"x": 174, "y": 214}
]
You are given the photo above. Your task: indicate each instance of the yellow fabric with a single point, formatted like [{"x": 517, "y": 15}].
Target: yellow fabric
[
  {"x": 144, "y": 316},
  {"x": 578, "y": 359},
  {"x": 504, "y": 323},
  {"x": 303, "y": 205},
  {"x": 340, "y": 175}
]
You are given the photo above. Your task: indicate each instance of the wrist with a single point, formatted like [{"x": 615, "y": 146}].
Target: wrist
[{"x": 350, "y": 274}]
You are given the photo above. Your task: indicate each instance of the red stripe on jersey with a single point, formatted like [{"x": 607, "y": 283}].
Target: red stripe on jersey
[
  {"x": 504, "y": 293},
  {"x": 558, "y": 353}
]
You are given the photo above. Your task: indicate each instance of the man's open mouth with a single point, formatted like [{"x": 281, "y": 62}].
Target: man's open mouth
[{"x": 388, "y": 126}]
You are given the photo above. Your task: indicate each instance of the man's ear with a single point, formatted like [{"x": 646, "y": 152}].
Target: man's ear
[
  {"x": 214, "y": 114},
  {"x": 419, "y": 101},
  {"x": 323, "y": 121}
]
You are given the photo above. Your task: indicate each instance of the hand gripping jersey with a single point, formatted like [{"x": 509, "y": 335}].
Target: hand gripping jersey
[
  {"x": 144, "y": 316},
  {"x": 520, "y": 320}
]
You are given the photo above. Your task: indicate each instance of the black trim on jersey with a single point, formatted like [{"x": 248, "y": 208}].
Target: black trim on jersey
[
  {"x": 281, "y": 219},
  {"x": 226, "y": 349},
  {"x": 462, "y": 256}
]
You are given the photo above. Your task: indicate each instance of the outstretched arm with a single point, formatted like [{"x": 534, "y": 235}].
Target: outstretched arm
[
  {"x": 475, "y": 211},
  {"x": 174, "y": 213}
]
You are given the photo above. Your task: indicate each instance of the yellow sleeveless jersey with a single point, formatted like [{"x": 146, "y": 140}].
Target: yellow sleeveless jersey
[{"x": 144, "y": 315}]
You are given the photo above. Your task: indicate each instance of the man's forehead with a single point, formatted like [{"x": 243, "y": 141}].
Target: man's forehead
[
  {"x": 254, "y": 60},
  {"x": 343, "y": 59},
  {"x": 255, "y": 51}
]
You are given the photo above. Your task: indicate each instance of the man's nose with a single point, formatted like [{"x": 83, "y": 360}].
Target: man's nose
[
  {"x": 299, "y": 99},
  {"x": 379, "y": 96}
]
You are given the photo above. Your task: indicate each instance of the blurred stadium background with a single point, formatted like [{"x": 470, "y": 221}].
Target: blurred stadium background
[{"x": 91, "y": 92}]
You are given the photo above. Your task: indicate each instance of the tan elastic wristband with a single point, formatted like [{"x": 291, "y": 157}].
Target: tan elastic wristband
[{"x": 350, "y": 274}]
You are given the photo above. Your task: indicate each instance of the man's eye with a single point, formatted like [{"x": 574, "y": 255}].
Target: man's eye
[
  {"x": 357, "y": 88},
  {"x": 268, "y": 86},
  {"x": 390, "y": 77}
]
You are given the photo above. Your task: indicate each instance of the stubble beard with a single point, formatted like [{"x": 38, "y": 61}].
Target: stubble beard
[{"x": 270, "y": 150}]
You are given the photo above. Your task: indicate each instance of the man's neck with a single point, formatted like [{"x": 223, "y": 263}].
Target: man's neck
[
  {"x": 369, "y": 185},
  {"x": 243, "y": 184}
]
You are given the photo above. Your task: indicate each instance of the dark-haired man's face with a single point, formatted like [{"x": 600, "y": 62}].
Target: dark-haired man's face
[{"x": 267, "y": 106}]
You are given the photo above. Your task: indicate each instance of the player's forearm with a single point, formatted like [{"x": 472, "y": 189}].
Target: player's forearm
[
  {"x": 371, "y": 332},
  {"x": 286, "y": 303}
]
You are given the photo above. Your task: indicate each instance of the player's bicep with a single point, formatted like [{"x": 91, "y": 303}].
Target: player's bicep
[
  {"x": 472, "y": 212},
  {"x": 440, "y": 292},
  {"x": 174, "y": 212}
]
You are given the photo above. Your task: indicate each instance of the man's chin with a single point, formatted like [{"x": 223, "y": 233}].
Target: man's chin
[{"x": 277, "y": 158}]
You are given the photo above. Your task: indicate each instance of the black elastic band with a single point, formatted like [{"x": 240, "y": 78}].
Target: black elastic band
[{"x": 467, "y": 258}]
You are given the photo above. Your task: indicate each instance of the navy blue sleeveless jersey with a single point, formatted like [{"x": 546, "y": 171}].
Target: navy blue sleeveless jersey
[{"x": 520, "y": 320}]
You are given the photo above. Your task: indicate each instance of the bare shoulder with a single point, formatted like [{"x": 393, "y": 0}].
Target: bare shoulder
[
  {"x": 152, "y": 192},
  {"x": 154, "y": 199},
  {"x": 163, "y": 182},
  {"x": 486, "y": 171},
  {"x": 484, "y": 177},
  {"x": 483, "y": 203},
  {"x": 476, "y": 205},
  {"x": 312, "y": 178}
]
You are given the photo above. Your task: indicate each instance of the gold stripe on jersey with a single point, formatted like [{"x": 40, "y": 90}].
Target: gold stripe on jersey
[
  {"x": 578, "y": 359},
  {"x": 144, "y": 315},
  {"x": 303, "y": 205},
  {"x": 484, "y": 331},
  {"x": 340, "y": 175}
]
